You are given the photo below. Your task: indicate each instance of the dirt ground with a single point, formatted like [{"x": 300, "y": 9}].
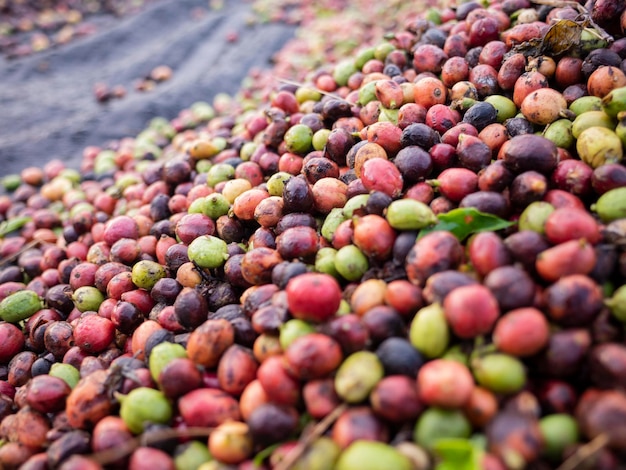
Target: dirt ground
[{"x": 47, "y": 104}]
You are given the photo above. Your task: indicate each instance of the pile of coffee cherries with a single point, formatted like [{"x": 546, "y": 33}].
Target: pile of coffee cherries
[{"x": 413, "y": 258}]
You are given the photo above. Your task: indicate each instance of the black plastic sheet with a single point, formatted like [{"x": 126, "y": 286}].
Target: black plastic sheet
[{"x": 47, "y": 104}]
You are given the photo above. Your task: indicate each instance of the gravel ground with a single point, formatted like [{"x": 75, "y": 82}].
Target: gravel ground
[{"x": 47, "y": 104}]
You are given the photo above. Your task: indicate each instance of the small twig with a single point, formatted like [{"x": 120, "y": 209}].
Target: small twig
[
  {"x": 205, "y": 277},
  {"x": 317, "y": 431},
  {"x": 585, "y": 452},
  {"x": 563, "y": 4},
  {"x": 28, "y": 246},
  {"x": 109, "y": 456},
  {"x": 559, "y": 3}
]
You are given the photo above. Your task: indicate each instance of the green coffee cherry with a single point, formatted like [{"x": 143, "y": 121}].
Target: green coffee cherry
[
  {"x": 81, "y": 207},
  {"x": 367, "y": 93},
  {"x": 247, "y": 150},
  {"x": 215, "y": 205},
  {"x": 20, "y": 306},
  {"x": 599, "y": 145},
  {"x": 500, "y": 373},
  {"x": 355, "y": 203},
  {"x": 332, "y": 221},
  {"x": 72, "y": 175},
  {"x": 615, "y": 101},
  {"x": 388, "y": 115},
  {"x": 293, "y": 329},
  {"x": 363, "y": 56},
  {"x": 321, "y": 454},
  {"x": 429, "y": 332},
  {"x": 617, "y": 303},
  {"x": 203, "y": 166},
  {"x": 234, "y": 188},
  {"x": 410, "y": 214},
  {"x": 208, "y": 251},
  {"x": 276, "y": 183},
  {"x": 146, "y": 273},
  {"x": 559, "y": 431},
  {"x": 434, "y": 15},
  {"x": 534, "y": 216},
  {"x": 325, "y": 261},
  {"x": 196, "y": 206},
  {"x": 218, "y": 173},
  {"x": 343, "y": 70},
  {"x": 125, "y": 181},
  {"x": 144, "y": 405},
  {"x": 161, "y": 355},
  {"x": 436, "y": 424},
  {"x": 344, "y": 308},
  {"x": 591, "y": 119},
  {"x": 320, "y": 138},
  {"x": 304, "y": 93},
  {"x": 585, "y": 103},
  {"x": 381, "y": 51},
  {"x": 505, "y": 107},
  {"x": 298, "y": 139},
  {"x": 620, "y": 129},
  {"x": 202, "y": 110},
  {"x": 351, "y": 263},
  {"x": 67, "y": 372},
  {"x": 357, "y": 375},
  {"x": 105, "y": 162},
  {"x": 560, "y": 132},
  {"x": 192, "y": 455},
  {"x": 611, "y": 205},
  {"x": 11, "y": 182},
  {"x": 371, "y": 455},
  {"x": 87, "y": 298},
  {"x": 590, "y": 40}
]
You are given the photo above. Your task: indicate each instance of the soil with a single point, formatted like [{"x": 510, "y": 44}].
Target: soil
[{"x": 48, "y": 108}]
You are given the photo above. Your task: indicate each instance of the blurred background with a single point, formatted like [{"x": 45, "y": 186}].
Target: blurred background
[{"x": 78, "y": 73}]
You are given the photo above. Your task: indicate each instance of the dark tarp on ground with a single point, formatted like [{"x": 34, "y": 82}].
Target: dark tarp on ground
[{"x": 47, "y": 105}]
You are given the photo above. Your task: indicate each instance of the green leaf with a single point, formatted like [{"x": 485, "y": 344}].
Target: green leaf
[
  {"x": 454, "y": 450},
  {"x": 12, "y": 225},
  {"x": 458, "y": 454},
  {"x": 446, "y": 465},
  {"x": 305, "y": 420},
  {"x": 264, "y": 454},
  {"x": 465, "y": 221}
]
